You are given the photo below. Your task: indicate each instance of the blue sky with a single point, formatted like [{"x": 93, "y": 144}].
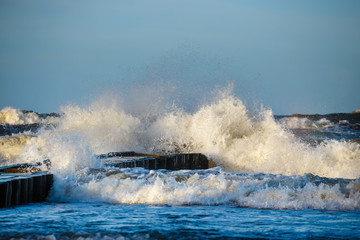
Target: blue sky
[{"x": 292, "y": 56}]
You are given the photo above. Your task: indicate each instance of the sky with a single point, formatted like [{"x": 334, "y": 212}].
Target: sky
[{"x": 291, "y": 56}]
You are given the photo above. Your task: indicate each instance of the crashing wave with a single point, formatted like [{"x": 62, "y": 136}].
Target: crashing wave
[{"x": 13, "y": 116}]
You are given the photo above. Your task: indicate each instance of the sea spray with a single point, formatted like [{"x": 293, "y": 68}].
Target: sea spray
[
  {"x": 105, "y": 128},
  {"x": 305, "y": 123},
  {"x": 225, "y": 130},
  {"x": 11, "y": 146},
  {"x": 16, "y": 116},
  {"x": 261, "y": 162},
  {"x": 10, "y": 115},
  {"x": 241, "y": 142}
]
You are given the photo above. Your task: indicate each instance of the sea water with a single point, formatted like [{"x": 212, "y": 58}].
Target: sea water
[
  {"x": 54, "y": 220},
  {"x": 277, "y": 177}
]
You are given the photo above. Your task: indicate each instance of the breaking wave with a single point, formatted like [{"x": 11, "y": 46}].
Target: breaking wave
[
  {"x": 225, "y": 130},
  {"x": 305, "y": 123},
  {"x": 10, "y": 115},
  {"x": 261, "y": 163},
  {"x": 209, "y": 187}
]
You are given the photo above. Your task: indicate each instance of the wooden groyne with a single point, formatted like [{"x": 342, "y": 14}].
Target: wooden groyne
[
  {"x": 26, "y": 183},
  {"x": 173, "y": 162},
  {"x": 18, "y": 185}
]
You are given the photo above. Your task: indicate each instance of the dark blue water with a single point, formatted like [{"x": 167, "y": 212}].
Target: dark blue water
[{"x": 108, "y": 221}]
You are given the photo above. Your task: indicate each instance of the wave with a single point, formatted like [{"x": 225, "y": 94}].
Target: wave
[
  {"x": 208, "y": 187},
  {"x": 261, "y": 162},
  {"x": 305, "y": 123},
  {"x": 338, "y": 121},
  {"x": 225, "y": 130},
  {"x": 11, "y": 147},
  {"x": 13, "y": 116}
]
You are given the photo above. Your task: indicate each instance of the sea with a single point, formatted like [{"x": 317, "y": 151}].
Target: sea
[{"x": 276, "y": 177}]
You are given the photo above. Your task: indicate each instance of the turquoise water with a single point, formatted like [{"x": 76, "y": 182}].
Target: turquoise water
[{"x": 111, "y": 221}]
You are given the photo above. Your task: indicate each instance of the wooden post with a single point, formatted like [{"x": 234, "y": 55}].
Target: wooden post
[
  {"x": 5, "y": 194},
  {"x": 16, "y": 191},
  {"x": 24, "y": 192}
]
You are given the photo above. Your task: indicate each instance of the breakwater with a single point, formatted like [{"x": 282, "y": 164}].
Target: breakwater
[
  {"x": 26, "y": 183},
  {"x": 18, "y": 187},
  {"x": 173, "y": 162}
]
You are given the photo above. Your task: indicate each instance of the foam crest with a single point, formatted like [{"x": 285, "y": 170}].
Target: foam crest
[
  {"x": 304, "y": 123},
  {"x": 68, "y": 152},
  {"x": 212, "y": 128},
  {"x": 240, "y": 141},
  {"x": 12, "y": 146},
  {"x": 105, "y": 128},
  {"x": 16, "y": 116},
  {"x": 79, "y": 134},
  {"x": 211, "y": 188},
  {"x": 225, "y": 130},
  {"x": 10, "y": 115}
]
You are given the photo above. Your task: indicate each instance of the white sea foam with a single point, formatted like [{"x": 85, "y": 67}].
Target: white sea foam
[
  {"x": 11, "y": 146},
  {"x": 212, "y": 187},
  {"x": 16, "y": 116},
  {"x": 224, "y": 130},
  {"x": 10, "y": 115},
  {"x": 238, "y": 140},
  {"x": 304, "y": 123}
]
